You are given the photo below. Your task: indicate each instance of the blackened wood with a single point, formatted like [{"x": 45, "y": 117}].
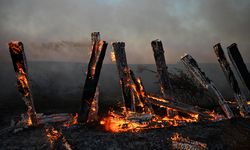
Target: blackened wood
[
  {"x": 93, "y": 114},
  {"x": 162, "y": 69},
  {"x": 193, "y": 67},
  {"x": 124, "y": 73},
  {"x": 91, "y": 81},
  {"x": 238, "y": 63},
  {"x": 242, "y": 103},
  {"x": 20, "y": 66}
]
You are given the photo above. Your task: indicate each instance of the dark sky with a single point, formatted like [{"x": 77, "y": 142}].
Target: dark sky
[{"x": 59, "y": 30}]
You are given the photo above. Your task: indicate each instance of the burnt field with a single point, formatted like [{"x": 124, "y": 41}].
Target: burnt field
[
  {"x": 230, "y": 134},
  {"x": 57, "y": 88}
]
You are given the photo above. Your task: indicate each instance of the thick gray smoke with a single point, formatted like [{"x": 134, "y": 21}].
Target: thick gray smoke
[{"x": 192, "y": 26}]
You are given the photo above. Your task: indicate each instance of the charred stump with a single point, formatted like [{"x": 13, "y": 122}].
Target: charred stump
[
  {"x": 239, "y": 65},
  {"x": 162, "y": 69},
  {"x": 242, "y": 103},
  {"x": 193, "y": 67},
  {"x": 94, "y": 69},
  {"x": 20, "y": 66},
  {"x": 124, "y": 73}
]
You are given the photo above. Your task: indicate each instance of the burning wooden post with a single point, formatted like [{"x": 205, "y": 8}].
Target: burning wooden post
[
  {"x": 20, "y": 66},
  {"x": 239, "y": 65},
  {"x": 162, "y": 69},
  {"x": 244, "y": 108},
  {"x": 94, "y": 69},
  {"x": 141, "y": 94},
  {"x": 193, "y": 67},
  {"x": 124, "y": 73},
  {"x": 93, "y": 114}
]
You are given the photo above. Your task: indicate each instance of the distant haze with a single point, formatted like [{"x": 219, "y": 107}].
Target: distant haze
[{"x": 59, "y": 30}]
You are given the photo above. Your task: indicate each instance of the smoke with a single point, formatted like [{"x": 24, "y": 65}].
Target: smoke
[{"x": 184, "y": 26}]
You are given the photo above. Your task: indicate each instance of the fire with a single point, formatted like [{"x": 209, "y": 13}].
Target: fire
[
  {"x": 248, "y": 102},
  {"x": 112, "y": 56},
  {"x": 93, "y": 114},
  {"x": 179, "y": 142},
  {"x": 14, "y": 45},
  {"x": 179, "y": 120},
  {"x": 132, "y": 122},
  {"x": 29, "y": 121},
  {"x": 215, "y": 116},
  {"x": 120, "y": 123},
  {"x": 158, "y": 99},
  {"x": 73, "y": 121},
  {"x": 55, "y": 135}
]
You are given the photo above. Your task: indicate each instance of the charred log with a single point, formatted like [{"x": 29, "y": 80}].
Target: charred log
[
  {"x": 239, "y": 65},
  {"x": 242, "y": 103},
  {"x": 20, "y": 66},
  {"x": 162, "y": 69},
  {"x": 93, "y": 73},
  {"x": 161, "y": 102},
  {"x": 124, "y": 73},
  {"x": 193, "y": 67}
]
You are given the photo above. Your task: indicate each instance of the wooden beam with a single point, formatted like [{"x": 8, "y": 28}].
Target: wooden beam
[
  {"x": 193, "y": 67},
  {"x": 162, "y": 69},
  {"x": 124, "y": 73},
  {"x": 94, "y": 69},
  {"x": 162, "y": 102},
  {"x": 240, "y": 98},
  {"x": 239, "y": 65},
  {"x": 20, "y": 66}
]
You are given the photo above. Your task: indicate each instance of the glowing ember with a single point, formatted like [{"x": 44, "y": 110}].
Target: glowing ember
[
  {"x": 215, "y": 116},
  {"x": 133, "y": 122},
  {"x": 120, "y": 123},
  {"x": 93, "y": 114},
  {"x": 54, "y": 136},
  {"x": 248, "y": 102},
  {"x": 112, "y": 56},
  {"x": 179, "y": 142},
  {"x": 73, "y": 121}
]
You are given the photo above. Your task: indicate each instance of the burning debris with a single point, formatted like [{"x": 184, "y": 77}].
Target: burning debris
[
  {"x": 56, "y": 139},
  {"x": 20, "y": 66},
  {"x": 94, "y": 69},
  {"x": 166, "y": 87},
  {"x": 179, "y": 142},
  {"x": 137, "y": 105}
]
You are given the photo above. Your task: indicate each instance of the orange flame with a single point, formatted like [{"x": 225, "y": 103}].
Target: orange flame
[
  {"x": 73, "y": 121},
  {"x": 179, "y": 142},
  {"x": 119, "y": 123},
  {"x": 122, "y": 123},
  {"x": 112, "y": 56},
  {"x": 53, "y": 134}
]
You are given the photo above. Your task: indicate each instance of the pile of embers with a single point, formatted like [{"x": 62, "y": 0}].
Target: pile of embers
[{"x": 138, "y": 105}]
